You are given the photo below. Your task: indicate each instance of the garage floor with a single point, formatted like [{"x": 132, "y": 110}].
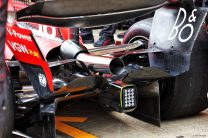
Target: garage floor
[
  {"x": 86, "y": 119},
  {"x": 104, "y": 124}
]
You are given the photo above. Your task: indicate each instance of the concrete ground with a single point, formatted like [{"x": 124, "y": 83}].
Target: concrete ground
[
  {"x": 106, "y": 124},
  {"x": 86, "y": 119}
]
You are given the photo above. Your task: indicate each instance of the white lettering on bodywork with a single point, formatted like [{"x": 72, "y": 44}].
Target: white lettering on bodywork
[{"x": 179, "y": 23}]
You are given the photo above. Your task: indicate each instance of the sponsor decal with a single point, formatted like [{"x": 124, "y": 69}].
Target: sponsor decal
[
  {"x": 42, "y": 79},
  {"x": 25, "y": 50},
  {"x": 45, "y": 31},
  {"x": 13, "y": 33},
  {"x": 21, "y": 43},
  {"x": 179, "y": 26}
]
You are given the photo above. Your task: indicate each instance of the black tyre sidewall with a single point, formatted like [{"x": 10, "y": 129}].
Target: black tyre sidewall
[
  {"x": 140, "y": 30},
  {"x": 186, "y": 94},
  {"x": 9, "y": 104}
]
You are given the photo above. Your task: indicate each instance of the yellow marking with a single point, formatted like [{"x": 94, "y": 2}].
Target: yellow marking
[
  {"x": 69, "y": 130},
  {"x": 71, "y": 119}
]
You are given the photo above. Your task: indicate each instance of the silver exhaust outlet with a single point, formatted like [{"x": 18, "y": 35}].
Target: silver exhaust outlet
[
  {"x": 70, "y": 50},
  {"x": 102, "y": 64}
]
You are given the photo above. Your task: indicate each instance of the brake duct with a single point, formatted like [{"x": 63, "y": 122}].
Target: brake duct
[{"x": 70, "y": 50}]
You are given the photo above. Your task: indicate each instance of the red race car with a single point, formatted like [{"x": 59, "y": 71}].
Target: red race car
[{"x": 46, "y": 60}]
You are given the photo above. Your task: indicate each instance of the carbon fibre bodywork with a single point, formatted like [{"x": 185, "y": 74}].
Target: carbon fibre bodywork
[
  {"x": 82, "y": 13},
  {"x": 179, "y": 26}
]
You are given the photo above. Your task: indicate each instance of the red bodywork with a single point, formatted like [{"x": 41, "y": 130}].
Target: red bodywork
[{"x": 24, "y": 49}]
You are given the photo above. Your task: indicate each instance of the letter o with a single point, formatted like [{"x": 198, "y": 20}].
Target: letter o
[{"x": 190, "y": 35}]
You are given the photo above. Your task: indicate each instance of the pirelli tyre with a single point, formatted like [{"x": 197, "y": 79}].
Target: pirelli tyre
[{"x": 186, "y": 94}]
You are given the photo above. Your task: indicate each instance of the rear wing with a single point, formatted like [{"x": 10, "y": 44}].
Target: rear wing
[{"x": 75, "y": 13}]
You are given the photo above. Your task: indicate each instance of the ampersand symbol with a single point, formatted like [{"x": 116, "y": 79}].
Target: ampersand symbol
[{"x": 192, "y": 18}]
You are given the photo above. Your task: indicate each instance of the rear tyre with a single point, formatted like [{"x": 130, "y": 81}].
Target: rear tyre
[
  {"x": 8, "y": 106},
  {"x": 186, "y": 94}
]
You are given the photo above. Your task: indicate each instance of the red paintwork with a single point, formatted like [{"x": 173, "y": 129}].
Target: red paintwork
[
  {"x": 22, "y": 45},
  {"x": 46, "y": 45},
  {"x": 65, "y": 32}
]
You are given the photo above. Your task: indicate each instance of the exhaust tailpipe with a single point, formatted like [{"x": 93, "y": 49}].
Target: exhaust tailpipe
[
  {"x": 70, "y": 50},
  {"x": 102, "y": 64}
]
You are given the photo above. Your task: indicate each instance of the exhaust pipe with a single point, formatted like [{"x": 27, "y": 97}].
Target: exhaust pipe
[
  {"x": 102, "y": 64},
  {"x": 69, "y": 50}
]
